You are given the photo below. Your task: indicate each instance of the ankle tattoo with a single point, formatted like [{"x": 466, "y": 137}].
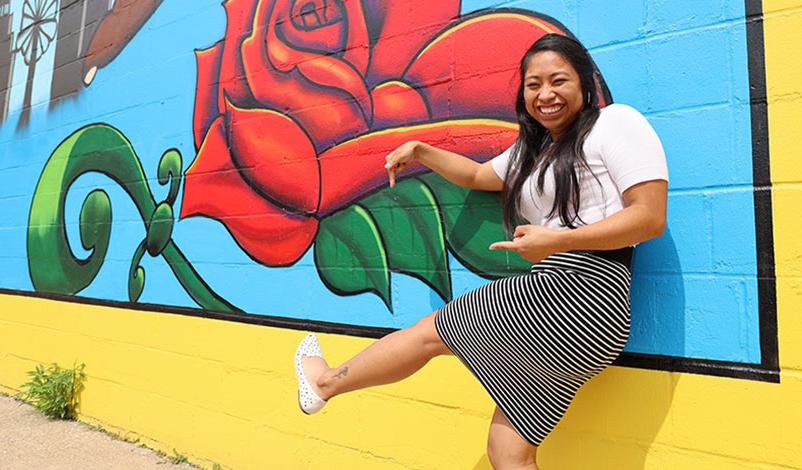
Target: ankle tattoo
[{"x": 342, "y": 373}]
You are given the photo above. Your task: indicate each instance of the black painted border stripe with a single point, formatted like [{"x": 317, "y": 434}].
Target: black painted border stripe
[
  {"x": 642, "y": 361},
  {"x": 767, "y": 370},
  {"x": 764, "y": 226}
]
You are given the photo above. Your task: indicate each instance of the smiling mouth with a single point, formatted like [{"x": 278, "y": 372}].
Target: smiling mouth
[{"x": 550, "y": 110}]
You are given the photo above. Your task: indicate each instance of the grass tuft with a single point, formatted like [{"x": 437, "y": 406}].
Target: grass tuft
[{"x": 54, "y": 390}]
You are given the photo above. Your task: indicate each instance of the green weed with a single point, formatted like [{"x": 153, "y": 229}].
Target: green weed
[
  {"x": 177, "y": 458},
  {"x": 54, "y": 390}
]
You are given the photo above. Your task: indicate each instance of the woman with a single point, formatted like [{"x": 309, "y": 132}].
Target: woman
[{"x": 592, "y": 183}]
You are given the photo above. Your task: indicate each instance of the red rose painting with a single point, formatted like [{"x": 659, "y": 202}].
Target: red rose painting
[{"x": 299, "y": 103}]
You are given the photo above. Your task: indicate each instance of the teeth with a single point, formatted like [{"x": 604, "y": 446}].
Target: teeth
[{"x": 551, "y": 109}]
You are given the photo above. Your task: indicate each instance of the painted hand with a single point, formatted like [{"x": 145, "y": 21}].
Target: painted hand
[{"x": 532, "y": 242}]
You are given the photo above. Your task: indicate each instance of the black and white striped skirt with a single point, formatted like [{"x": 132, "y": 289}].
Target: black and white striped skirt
[{"x": 532, "y": 340}]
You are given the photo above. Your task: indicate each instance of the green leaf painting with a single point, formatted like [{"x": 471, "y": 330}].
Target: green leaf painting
[
  {"x": 411, "y": 227},
  {"x": 472, "y": 222},
  {"x": 350, "y": 254},
  {"x": 100, "y": 148}
]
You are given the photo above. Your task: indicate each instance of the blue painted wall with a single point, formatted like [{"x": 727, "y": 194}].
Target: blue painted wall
[{"x": 682, "y": 63}]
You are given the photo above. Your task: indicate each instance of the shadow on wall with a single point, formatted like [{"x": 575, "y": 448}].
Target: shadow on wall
[
  {"x": 658, "y": 299},
  {"x": 616, "y": 416}
]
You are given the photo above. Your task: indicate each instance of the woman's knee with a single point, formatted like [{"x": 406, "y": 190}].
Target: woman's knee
[
  {"x": 506, "y": 449},
  {"x": 505, "y": 457}
]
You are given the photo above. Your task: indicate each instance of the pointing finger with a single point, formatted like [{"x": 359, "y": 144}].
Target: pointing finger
[{"x": 509, "y": 246}]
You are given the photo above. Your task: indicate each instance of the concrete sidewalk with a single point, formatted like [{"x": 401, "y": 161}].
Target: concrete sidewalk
[{"x": 28, "y": 440}]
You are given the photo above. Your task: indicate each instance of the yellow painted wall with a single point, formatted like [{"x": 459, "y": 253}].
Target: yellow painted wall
[{"x": 225, "y": 392}]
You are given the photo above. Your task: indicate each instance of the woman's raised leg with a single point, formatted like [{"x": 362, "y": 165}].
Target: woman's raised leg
[{"x": 390, "y": 359}]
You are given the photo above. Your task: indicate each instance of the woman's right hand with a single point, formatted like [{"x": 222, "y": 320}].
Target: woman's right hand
[
  {"x": 454, "y": 167},
  {"x": 398, "y": 159}
]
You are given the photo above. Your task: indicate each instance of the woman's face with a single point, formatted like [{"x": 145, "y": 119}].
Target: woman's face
[{"x": 552, "y": 92}]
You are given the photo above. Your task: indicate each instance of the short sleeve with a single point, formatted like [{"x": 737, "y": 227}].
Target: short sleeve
[
  {"x": 500, "y": 163},
  {"x": 630, "y": 148}
]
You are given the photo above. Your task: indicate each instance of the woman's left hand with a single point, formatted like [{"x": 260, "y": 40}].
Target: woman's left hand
[{"x": 532, "y": 242}]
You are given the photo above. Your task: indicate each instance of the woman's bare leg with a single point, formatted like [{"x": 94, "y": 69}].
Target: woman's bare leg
[
  {"x": 390, "y": 359},
  {"x": 506, "y": 449}
]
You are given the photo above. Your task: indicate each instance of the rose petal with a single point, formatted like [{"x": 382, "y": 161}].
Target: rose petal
[
  {"x": 401, "y": 28},
  {"x": 214, "y": 188},
  {"x": 471, "y": 69},
  {"x": 328, "y": 115},
  {"x": 357, "y": 47},
  {"x": 275, "y": 155},
  {"x": 208, "y": 61},
  {"x": 331, "y": 72},
  {"x": 396, "y": 103},
  {"x": 480, "y": 139},
  {"x": 323, "y": 37},
  {"x": 345, "y": 34},
  {"x": 324, "y": 70},
  {"x": 233, "y": 83}
]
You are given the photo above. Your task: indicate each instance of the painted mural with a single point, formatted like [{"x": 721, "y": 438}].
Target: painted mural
[
  {"x": 232, "y": 161},
  {"x": 72, "y": 39}
]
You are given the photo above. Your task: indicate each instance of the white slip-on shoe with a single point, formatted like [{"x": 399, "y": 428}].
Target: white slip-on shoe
[{"x": 308, "y": 400}]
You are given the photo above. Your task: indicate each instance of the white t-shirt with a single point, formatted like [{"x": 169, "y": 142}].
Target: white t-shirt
[{"x": 622, "y": 150}]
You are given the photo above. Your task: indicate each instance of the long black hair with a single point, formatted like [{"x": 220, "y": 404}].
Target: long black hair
[{"x": 534, "y": 150}]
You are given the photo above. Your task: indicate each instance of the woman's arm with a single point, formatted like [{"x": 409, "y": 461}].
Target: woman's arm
[
  {"x": 454, "y": 167},
  {"x": 643, "y": 218}
]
